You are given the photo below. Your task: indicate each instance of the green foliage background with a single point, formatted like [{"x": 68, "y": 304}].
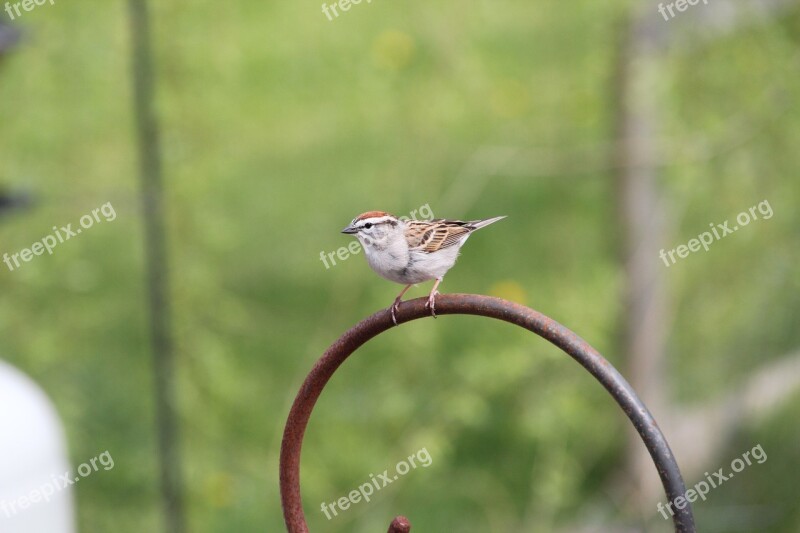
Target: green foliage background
[{"x": 279, "y": 126}]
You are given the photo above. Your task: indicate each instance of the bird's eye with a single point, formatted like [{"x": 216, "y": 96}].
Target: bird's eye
[{"x": 368, "y": 225}]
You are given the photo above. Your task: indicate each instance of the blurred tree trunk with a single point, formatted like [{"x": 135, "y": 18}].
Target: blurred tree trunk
[
  {"x": 697, "y": 433},
  {"x": 646, "y": 304}
]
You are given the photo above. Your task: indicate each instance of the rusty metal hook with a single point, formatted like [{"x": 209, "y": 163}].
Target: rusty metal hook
[{"x": 470, "y": 304}]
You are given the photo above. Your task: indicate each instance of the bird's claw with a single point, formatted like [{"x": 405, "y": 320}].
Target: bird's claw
[
  {"x": 431, "y": 303},
  {"x": 394, "y": 308}
]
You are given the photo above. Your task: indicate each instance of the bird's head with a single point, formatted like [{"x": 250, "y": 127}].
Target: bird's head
[{"x": 373, "y": 228}]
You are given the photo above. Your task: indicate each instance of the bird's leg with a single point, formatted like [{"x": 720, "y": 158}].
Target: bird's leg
[
  {"x": 396, "y": 304},
  {"x": 432, "y": 297}
]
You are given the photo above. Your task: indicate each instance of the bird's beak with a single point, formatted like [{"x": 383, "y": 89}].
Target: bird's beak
[{"x": 350, "y": 230}]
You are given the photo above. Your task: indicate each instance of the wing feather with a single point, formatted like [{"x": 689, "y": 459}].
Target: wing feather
[{"x": 435, "y": 235}]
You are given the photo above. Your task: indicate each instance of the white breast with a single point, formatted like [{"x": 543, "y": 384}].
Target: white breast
[{"x": 389, "y": 259}]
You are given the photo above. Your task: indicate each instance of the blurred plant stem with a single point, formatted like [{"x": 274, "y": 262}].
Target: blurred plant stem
[{"x": 150, "y": 169}]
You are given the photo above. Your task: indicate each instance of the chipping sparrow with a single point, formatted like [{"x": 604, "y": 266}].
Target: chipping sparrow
[{"x": 412, "y": 251}]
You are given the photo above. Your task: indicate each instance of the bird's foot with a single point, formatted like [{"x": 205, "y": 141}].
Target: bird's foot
[
  {"x": 431, "y": 303},
  {"x": 394, "y": 308}
]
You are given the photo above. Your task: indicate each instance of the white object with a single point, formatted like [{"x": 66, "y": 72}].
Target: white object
[{"x": 34, "y": 496}]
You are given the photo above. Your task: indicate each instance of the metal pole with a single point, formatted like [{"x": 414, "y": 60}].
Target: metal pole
[{"x": 470, "y": 304}]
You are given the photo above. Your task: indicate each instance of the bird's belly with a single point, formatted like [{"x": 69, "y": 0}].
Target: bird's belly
[
  {"x": 424, "y": 266},
  {"x": 413, "y": 267},
  {"x": 408, "y": 276}
]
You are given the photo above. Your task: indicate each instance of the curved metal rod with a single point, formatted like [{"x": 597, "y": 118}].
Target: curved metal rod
[{"x": 470, "y": 304}]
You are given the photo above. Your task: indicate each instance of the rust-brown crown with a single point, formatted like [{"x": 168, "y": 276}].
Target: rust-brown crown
[{"x": 371, "y": 214}]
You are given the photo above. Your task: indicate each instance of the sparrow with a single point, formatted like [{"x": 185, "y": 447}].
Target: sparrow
[{"x": 412, "y": 251}]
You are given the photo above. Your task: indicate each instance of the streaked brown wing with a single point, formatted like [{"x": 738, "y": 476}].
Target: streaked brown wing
[{"x": 434, "y": 235}]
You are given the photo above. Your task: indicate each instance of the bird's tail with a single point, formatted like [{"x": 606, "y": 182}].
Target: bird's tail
[{"x": 478, "y": 224}]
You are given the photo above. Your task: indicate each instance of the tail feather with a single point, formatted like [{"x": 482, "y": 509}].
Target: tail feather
[{"x": 478, "y": 224}]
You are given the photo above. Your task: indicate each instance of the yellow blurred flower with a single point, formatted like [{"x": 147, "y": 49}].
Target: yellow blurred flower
[
  {"x": 509, "y": 290},
  {"x": 218, "y": 489},
  {"x": 393, "y": 50},
  {"x": 509, "y": 98}
]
